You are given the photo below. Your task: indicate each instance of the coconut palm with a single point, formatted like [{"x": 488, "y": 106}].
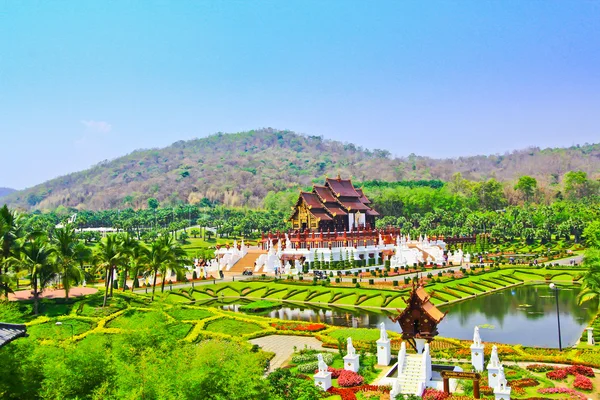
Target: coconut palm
[
  {"x": 65, "y": 242},
  {"x": 82, "y": 254},
  {"x": 109, "y": 256},
  {"x": 132, "y": 250},
  {"x": 36, "y": 255},
  {"x": 164, "y": 254},
  {"x": 10, "y": 232},
  {"x": 156, "y": 255},
  {"x": 177, "y": 257},
  {"x": 590, "y": 287}
]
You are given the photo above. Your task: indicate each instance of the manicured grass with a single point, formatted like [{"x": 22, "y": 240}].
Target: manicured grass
[
  {"x": 136, "y": 319},
  {"x": 260, "y": 305},
  {"x": 232, "y": 327},
  {"x": 189, "y": 314},
  {"x": 361, "y": 334},
  {"x": 50, "y": 330}
]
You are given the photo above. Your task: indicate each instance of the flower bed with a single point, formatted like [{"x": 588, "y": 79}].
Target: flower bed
[
  {"x": 349, "y": 378},
  {"x": 433, "y": 394},
  {"x": 580, "y": 370},
  {"x": 349, "y": 393},
  {"x": 557, "y": 374},
  {"x": 309, "y": 357},
  {"x": 284, "y": 326},
  {"x": 524, "y": 382},
  {"x": 539, "y": 367},
  {"x": 560, "y": 390},
  {"x": 582, "y": 382}
]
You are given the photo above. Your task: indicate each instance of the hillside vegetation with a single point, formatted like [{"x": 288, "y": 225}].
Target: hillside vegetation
[
  {"x": 241, "y": 169},
  {"x": 5, "y": 191}
]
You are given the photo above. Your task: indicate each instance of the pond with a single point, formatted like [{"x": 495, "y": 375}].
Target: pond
[{"x": 520, "y": 315}]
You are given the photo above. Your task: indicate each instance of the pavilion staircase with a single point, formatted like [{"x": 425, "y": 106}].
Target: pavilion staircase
[
  {"x": 411, "y": 374},
  {"x": 247, "y": 262}
]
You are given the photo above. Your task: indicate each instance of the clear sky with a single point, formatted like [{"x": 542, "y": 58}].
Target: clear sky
[{"x": 83, "y": 81}]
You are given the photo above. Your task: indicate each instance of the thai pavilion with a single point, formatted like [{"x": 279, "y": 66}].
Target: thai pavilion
[{"x": 335, "y": 206}]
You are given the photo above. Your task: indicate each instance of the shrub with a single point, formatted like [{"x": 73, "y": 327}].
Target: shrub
[
  {"x": 310, "y": 357},
  {"x": 582, "y": 382},
  {"x": 349, "y": 378},
  {"x": 540, "y": 367},
  {"x": 371, "y": 282}
]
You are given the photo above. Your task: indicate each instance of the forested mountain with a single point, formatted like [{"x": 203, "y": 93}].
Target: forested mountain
[
  {"x": 5, "y": 191},
  {"x": 241, "y": 168}
]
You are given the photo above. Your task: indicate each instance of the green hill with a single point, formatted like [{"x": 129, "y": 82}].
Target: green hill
[
  {"x": 241, "y": 168},
  {"x": 4, "y": 191}
]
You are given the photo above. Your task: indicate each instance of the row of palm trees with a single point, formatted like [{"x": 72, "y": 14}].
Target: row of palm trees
[{"x": 62, "y": 256}]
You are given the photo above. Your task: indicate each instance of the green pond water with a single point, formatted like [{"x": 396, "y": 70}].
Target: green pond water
[{"x": 521, "y": 315}]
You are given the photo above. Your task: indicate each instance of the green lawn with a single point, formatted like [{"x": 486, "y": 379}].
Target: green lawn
[{"x": 232, "y": 327}]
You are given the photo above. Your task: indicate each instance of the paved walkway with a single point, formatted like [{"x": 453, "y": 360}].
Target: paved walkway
[
  {"x": 52, "y": 293},
  {"x": 283, "y": 347}
]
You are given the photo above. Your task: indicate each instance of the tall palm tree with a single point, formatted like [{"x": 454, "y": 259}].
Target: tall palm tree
[
  {"x": 10, "y": 232},
  {"x": 132, "y": 251},
  {"x": 177, "y": 257},
  {"x": 65, "y": 242},
  {"x": 590, "y": 287},
  {"x": 156, "y": 255},
  {"x": 36, "y": 255},
  {"x": 109, "y": 256},
  {"x": 82, "y": 254}
]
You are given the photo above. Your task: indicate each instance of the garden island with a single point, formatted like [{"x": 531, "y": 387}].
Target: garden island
[{"x": 412, "y": 289}]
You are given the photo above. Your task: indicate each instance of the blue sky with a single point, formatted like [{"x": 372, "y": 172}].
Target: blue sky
[{"x": 83, "y": 81}]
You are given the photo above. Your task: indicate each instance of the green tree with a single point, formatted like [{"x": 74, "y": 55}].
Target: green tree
[
  {"x": 286, "y": 386},
  {"x": 109, "y": 256},
  {"x": 36, "y": 256},
  {"x": 10, "y": 232},
  {"x": 591, "y": 234},
  {"x": 65, "y": 249},
  {"x": 590, "y": 282},
  {"x": 526, "y": 185}
]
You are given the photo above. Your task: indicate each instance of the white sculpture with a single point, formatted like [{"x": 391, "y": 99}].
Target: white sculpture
[
  {"x": 383, "y": 336},
  {"x": 494, "y": 360},
  {"x": 321, "y": 364},
  {"x": 350, "y": 350},
  {"x": 477, "y": 338}
]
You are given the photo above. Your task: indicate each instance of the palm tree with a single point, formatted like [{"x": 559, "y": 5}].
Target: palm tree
[
  {"x": 590, "y": 288},
  {"x": 10, "y": 232},
  {"x": 82, "y": 254},
  {"x": 156, "y": 256},
  {"x": 177, "y": 257},
  {"x": 131, "y": 249},
  {"x": 65, "y": 242},
  {"x": 109, "y": 256},
  {"x": 164, "y": 254},
  {"x": 36, "y": 255}
]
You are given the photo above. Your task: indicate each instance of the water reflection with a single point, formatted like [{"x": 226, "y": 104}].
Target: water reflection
[{"x": 521, "y": 315}]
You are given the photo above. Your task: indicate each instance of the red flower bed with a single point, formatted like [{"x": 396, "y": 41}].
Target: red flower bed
[
  {"x": 345, "y": 394},
  {"x": 433, "y": 394},
  {"x": 557, "y": 374},
  {"x": 349, "y": 393},
  {"x": 580, "y": 370},
  {"x": 349, "y": 378},
  {"x": 298, "y": 327},
  {"x": 582, "y": 382},
  {"x": 335, "y": 372}
]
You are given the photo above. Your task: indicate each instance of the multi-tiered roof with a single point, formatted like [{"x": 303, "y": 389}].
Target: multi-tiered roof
[{"x": 334, "y": 201}]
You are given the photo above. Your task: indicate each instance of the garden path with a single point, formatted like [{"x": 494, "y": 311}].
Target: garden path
[{"x": 283, "y": 347}]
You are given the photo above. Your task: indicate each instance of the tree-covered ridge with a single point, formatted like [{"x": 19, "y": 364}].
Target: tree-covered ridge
[{"x": 241, "y": 169}]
